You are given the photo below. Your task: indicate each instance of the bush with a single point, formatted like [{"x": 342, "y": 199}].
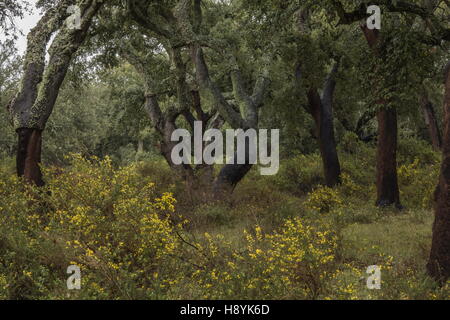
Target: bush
[
  {"x": 109, "y": 222},
  {"x": 292, "y": 263},
  {"x": 417, "y": 183},
  {"x": 350, "y": 143},
  {"x": 324, "y": 199},
  {"x": 300, "y": 174},
  {"x": 125, "y": 230},
  {"x": 217, "y": 214},
  {"x": 410, "y": 149}
]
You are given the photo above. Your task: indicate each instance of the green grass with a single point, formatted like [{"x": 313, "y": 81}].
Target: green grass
[{"x": 216, "y": 236}]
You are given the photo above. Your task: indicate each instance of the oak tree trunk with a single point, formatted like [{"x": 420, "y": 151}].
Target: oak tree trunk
[
  {"x": 29, "y": 155},
  {"x": 439, "y": 263},
  {"x": 323, "y": 118},
  {"x": 40, "y": 84},
  {"x": 231, "y": 175},
  {"x": 228, "y": 178},
  {"x": 387, "y": 184},
  {"x": 321, "y": 110}
]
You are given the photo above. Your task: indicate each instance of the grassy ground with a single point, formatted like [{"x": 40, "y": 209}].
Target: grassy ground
[{"x": 137, "y": 234}]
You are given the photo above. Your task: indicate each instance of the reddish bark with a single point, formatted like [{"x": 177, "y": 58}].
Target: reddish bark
[
  {"x": 29, "y": 155},
  {"x": 387, "y": 182},
  {"x": 439, "y": 263}
]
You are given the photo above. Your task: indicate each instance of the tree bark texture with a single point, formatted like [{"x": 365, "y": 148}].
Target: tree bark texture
[
  {"x": 387, "y": 182},
  {"x": 439, "y": 262}
]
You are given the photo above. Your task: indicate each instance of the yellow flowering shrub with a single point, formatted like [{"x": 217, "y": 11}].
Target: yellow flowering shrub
[
  {"x": 110, "y": 222},
  {"x": 292, "y": 263},
  {"x": 349, "y": 282},
  {"x": 126, "y": 233},
  {"x": 417, "y": 183},
  {"x": 348, "y": 187},
  {"x": 323, "y": 199}
]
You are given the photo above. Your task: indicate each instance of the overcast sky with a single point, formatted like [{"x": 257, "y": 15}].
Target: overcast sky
[{"x": 25, "y": 25}]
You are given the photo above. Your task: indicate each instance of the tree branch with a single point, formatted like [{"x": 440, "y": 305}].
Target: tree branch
[
  {"x": 426, "y": 14},
  {"x": 212, "y": 92},
  {"x": 138, "y": 11},
  {"x": 34, "y": 63}
]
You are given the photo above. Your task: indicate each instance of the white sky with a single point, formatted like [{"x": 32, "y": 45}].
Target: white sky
[{"x": 25, "y": 25}]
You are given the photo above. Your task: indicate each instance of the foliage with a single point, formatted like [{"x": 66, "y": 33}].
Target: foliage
[
  {"x": 111, "y": 223},
  {"x": 300, "y": 173},
  {"x": 323, "y": 199},
  {"x": 418, "y": 183},
  {"x": 9, "y": 63},
  {"x": 132, "y": 240},
  {"x": 292, "y": 263},
  {"x": 113, "y": 206}
]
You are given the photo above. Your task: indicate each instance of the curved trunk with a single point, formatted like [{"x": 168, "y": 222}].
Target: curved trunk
[
  {"x": 231, "y": 174},
  {"x": 321, "y": 109},
  {"x": 228, "y": 178},
  {"x": 29, "y": 155},
  {"x": 332, "y": 168},
  {"x": 387, "y": 184},
  {"x": 323, "y": 119},
  {"x": 439, "y": 263},
  {"x": 41, "y": 82}
]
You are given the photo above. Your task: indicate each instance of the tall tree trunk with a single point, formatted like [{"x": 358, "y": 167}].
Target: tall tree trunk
[
  {"x": 431, "y": 121},
  {"x": 29, "y": 155},
  {"x": 439, "y": 263},
  {"x": 321, "y": 109},
  {"x": 41, "y": 82},
  {"x": 323, "y": 119},
  {"x": 387, "y": 182},
  {"x": 331, "y": 165}
]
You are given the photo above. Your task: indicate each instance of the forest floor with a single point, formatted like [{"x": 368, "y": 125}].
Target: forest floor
[{"x": 135, "y": 233}]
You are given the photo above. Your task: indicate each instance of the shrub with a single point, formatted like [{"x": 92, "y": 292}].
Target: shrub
[
  {"x": 213, "y": 213},
  {"x": 292, "y": 263},
  {"x": 350, "y": 143},
  {"x": 300, "y": 174},
  {"x": 122, "y": 229},
  {"x": 348, "y": 187},
  {"x": 109, "y": 222},
  {"x": 323, "y": 199},
  {"x": 410, "y": 149},
  {"x": 417, "y": 183}
]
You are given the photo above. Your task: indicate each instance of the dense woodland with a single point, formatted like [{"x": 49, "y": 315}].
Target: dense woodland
[{"x": 87, "y": 178}]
